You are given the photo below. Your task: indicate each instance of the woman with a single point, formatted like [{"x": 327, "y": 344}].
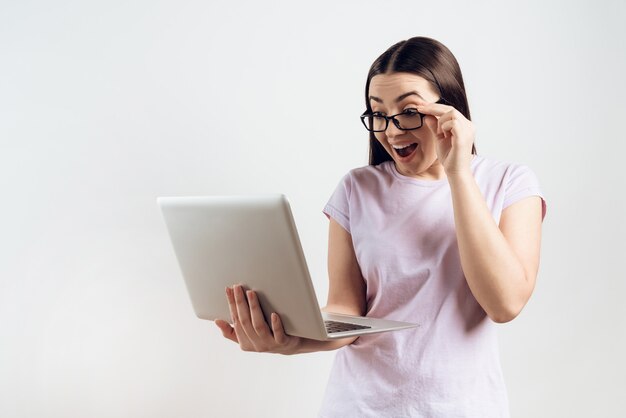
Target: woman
[{"x": 428, "y": 232}]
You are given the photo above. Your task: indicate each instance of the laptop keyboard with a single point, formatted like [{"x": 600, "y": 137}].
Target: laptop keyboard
[{"x": 334, "y": 326}]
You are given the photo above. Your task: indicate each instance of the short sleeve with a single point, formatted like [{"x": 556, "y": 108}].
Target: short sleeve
[
  {"x": 521, "y": 183},
  {"x": 338, "y": 206}
]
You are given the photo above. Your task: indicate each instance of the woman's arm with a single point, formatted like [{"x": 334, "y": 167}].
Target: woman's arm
[
  {"x": 500, "y": 263},
  {"x": 346, "y": 294}
]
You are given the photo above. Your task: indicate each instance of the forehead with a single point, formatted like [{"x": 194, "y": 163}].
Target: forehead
[{"x": 389, "y": 86}]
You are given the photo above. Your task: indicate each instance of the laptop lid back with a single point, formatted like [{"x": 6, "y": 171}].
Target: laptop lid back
[{"x": 251, "y": 240}]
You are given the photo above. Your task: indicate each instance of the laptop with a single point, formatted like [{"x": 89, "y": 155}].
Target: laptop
[{"x": 252, "y": 240}]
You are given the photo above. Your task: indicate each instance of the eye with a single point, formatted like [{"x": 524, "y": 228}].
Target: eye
[
  {"x": 410, "y": 111},
  {"x": 377, "y": 114}
]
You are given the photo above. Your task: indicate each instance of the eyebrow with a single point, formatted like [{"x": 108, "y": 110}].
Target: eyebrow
[{"x": 400, "y": 98}]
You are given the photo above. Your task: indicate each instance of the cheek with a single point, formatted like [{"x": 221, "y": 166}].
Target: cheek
[{"x": 381, "y": 138}]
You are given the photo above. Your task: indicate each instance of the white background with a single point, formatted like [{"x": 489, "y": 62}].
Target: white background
[{"x": 105, "y": 105}]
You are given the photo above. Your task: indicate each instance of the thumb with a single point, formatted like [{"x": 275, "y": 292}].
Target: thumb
[
  {"x": 432, "y": 123},
  {"x": 227, "y": 330}
]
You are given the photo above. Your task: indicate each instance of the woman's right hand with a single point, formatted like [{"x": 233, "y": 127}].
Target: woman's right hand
[{"x": 250, "y": 329}]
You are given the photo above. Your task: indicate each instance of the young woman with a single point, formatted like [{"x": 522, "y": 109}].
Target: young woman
[{"x": 428, "y": 232}]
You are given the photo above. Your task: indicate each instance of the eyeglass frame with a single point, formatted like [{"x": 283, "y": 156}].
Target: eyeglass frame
[{"x": 395, "y": 121}]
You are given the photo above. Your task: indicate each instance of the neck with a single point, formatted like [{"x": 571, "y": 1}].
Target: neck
[{"x": 433, "y": 173}]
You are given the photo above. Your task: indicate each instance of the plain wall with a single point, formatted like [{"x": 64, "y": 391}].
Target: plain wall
[{"x": 105, "y": 105}]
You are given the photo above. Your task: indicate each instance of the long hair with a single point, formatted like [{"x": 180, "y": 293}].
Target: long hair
[{"x": 426, "y": 58}]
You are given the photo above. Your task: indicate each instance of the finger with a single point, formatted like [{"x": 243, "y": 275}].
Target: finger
[
  {"x": 435, "y": 109},
  {"x": 256, "y": 315},
  {"x": 242, "y": 338},
  {"x": 445, "y": 118},
  {"x": 227, "y": 330},
  {"x": 279, "y": 332},
  {"x": 243, "y": 312},
  {"x": 451, "y": 128},
  {"x": 231, "y": 305},
  {"x": 432, "y": 123},
  {"x": 449, "y": 122},
  {"x": 445, "y": 129}
]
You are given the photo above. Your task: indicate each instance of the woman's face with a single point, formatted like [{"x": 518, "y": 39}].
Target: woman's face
[{"x": 419, "y": 156}]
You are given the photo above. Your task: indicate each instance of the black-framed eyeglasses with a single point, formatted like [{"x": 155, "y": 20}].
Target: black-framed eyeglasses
[{"x": 408, "y": 120}]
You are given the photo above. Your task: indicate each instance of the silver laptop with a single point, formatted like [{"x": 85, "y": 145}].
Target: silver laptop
[{"x": 252, "y": 240}]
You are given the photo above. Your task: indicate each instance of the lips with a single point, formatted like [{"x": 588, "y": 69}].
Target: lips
[{"x": 404, "y": 150}]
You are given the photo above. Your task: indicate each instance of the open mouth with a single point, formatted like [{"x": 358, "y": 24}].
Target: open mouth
[{"x": 406, "y": 150}]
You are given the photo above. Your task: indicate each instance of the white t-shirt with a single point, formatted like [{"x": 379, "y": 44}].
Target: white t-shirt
[{"x": 405, "y": 242}]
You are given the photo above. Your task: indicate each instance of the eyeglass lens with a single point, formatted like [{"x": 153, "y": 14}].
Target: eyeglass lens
[{"x": 408, "y": 120}]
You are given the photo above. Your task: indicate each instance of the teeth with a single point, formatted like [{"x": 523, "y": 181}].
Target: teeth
[{"x": 401, "y": 146}]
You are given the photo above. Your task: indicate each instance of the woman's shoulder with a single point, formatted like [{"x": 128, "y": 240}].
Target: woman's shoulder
[
  {"x": 490, "y": 163},
  {"x": 370, "y": 171},
  {"x": 368, "y": 175},
  {"x": 514, "y": 179},
  {"x": 368, "y": 179},
  {"x": 488, "y": 168}
]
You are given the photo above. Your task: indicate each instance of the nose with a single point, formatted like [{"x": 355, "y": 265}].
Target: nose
[{"x": 392, "y": 130}]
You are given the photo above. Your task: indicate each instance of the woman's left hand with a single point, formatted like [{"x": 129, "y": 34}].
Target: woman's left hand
[{"x": 455, "y": 136}]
